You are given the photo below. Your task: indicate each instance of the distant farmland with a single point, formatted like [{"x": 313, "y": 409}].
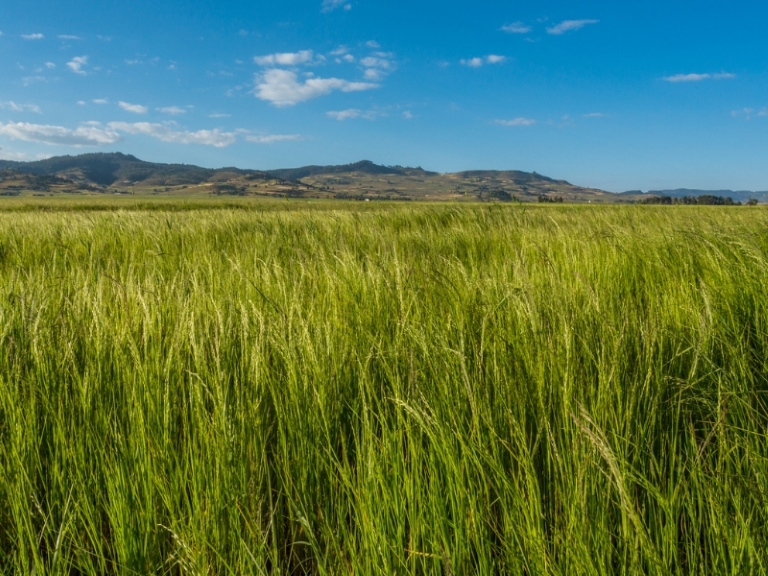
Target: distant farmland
[{"x": 289, "y": 387}]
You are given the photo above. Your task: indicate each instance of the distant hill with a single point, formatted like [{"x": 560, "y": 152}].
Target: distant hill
[
  {"x": 116, "y": 168},
  {"x": 117, "y": 173},
  {"x": 362, "y": 167},
  {"x": 511, "y": 175},
  {"x": 736, "y": 195}
]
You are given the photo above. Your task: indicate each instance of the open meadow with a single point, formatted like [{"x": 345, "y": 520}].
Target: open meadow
[{"x": 339, "y": 388}]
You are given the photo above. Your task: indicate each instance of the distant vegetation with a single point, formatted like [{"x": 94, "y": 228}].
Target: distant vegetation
[
  {"x": 736, "y": 195},
  {"x": 330, "y": 388},
  {"x": 703, "y": 200}
]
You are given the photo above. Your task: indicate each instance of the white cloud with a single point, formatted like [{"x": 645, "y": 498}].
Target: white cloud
[
  {"x": 568, "y": 25},
  {"x": 13, "y": 107},
  {"x": 84, "y": 135},
  {"x": 167, "y": 133},
  {"x": 68, "y": 37},
  {"x": 374, "y": 62},
  {"x": 50, "y": 65},
  {"x": 100, "y": 101},
  {"x": 282, "y": 87},
  {"x": 373, "y": 44},
  {"x": 407, "y": 115},
  {"x": 516, "y": 28},
  {"x": 698, "y": 77},
  {"x": 219, "y": 115},
  {"x": 331, "y": 5},
  {"x": 517, "y": 122},
  {"x": 135, "y": 108},
  {"x": 594, "y": 115},
  {"x": 285, "y": 58},
  {"x": 82, "y": 103},
  {"x": 377, "y": 66},
  {"x": 477, "y": 62},
  {"x": 172, "y": 110},
  {"x": 37, "y": 36},
  {"x": 763, "y": 112},
  {"x": 77, "y": 63},
  {"x": 272, "y": 138}
]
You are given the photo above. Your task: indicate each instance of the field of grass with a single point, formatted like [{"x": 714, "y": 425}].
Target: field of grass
[{"x": 331, "y": 389}]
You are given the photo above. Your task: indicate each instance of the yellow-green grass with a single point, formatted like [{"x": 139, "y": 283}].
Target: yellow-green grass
[{"x": 316, "y": 388}]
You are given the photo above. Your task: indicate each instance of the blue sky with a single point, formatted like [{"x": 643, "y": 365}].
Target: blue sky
[{"x": 616, "y": 95}]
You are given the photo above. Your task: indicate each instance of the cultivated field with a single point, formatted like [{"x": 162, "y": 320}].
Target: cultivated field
[{"x": 350, "y": 388}]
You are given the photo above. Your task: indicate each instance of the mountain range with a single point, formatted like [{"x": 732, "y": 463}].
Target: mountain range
[{"x": 117, "y": 173}]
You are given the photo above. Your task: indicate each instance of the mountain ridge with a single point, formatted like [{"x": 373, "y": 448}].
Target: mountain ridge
[{"x": 118, "y": 173}]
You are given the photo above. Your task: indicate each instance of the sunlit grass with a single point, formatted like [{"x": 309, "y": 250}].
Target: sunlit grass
[{"x": 401, "y": 389}]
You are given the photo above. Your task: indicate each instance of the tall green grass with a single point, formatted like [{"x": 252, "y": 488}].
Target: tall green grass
[{"x": 391, "y": 390}]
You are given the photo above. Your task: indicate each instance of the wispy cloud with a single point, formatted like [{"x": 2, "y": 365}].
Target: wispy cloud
[
  {"x": 352, "y": 113},
  {"x": 50, "y": 65},
  {"x": 134, "y": 108},
  {"x": 6, "y": 154},
  {"x": 100, "y": 101},
  {"x": 378, "y": 65},
  {"x": 594, "y": 115},
  {"x": 68, "y": 37},
  {"x": 172, "y": 110},
  {"x": 698, "y": 77},
  {"x": 84, "y": 135},
  {"x": 331, "y": 5},
  {"x": 283, "y": 88},
  {"x": 478, "y": 62},
  {"x": 167, "y": 132},
  {"x": 36, "y": 36},
  {"x": 219, "y": 115},
  {"x": 516, "y": 122},
  {"x": 77, "y": 63},
  {"x": 272, "y": 138},
  {"x": 569, "y": 25},
  {"x": 516, "y": 28},
  {"x": 373, "y": 44},
  {"x": 285, "y": 58},
  {"x": 748, "y": 113},
  {"x": 13, "y": 107},
  {"x": 27, "y": 80}
]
